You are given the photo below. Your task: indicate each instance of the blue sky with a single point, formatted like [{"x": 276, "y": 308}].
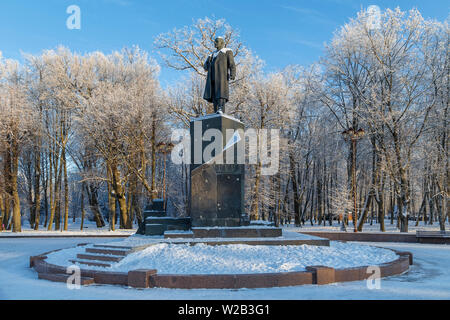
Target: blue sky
[{"x": 280, "y": 32}]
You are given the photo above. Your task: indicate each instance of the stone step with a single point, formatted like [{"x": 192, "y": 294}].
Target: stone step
[
  {"x": 432, "y": 234},
  {"x": 91, "y": 263},
  {"x": 183, "y": 223},
  {"x": 154, "y": 213},
  {"x": 240, "y": 232},
  {"x": 108, "y": 251},
  {"x": 63, "y": 278},
  {"x": 98, "y": 257},
  {"x": 112, "y": 246},
  {"x": 174, "y": 235}
]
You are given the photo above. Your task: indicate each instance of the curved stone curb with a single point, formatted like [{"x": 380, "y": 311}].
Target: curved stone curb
[
  {"x": 149, "y": 278},
  {"x": 363, "y": 236}
]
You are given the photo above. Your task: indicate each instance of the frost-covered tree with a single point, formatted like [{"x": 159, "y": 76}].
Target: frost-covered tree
[{"x": 16, "y": 124}]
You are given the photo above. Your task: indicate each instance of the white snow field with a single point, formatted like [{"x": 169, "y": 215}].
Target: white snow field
[
  {"x": 238, "y": 258},
  {"x": 90, "y": 229},
  {"x": 428, "y": 278}
]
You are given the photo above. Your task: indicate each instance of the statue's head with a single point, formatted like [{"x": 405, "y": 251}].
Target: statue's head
[{"x": 219, "y": 43}]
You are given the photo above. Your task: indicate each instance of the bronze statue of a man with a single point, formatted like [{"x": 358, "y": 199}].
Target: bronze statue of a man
[{"x": 221, "y": 68}]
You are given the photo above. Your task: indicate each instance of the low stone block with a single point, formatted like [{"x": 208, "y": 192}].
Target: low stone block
[
  {"x": 352, "y": 274},
  {"x": 267, "y": 280},
  {"x": 294, "y": 278},
  {"x": 390, "y": 268},
  {"x": 140, "y": 278},
  {"x": 408, "y": 254},
  {"x": 225, "y": 232},
  {"x": 205, "y": 233},
  {"x": 35, "y": 258},
  {"x": 119, "y": 278},
  {"x": 194, "y": 281},
  {"x": 240, "y": 233},
  {"x": 219, "y": 281},
  {"x": 322, "y": 274},
  {"x": 154, "y": 229}
]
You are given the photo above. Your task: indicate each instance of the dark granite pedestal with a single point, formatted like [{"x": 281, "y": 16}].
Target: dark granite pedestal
[
  {"x": 156, "y": 221},
  {"x": 217, "y": 182}
]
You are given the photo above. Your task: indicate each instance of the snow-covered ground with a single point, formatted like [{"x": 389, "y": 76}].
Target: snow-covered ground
[
  {"x": 428, "y": 278},
  {"x": 73, "y": 229},
  {"x": 239, "y": 258},
  {"x": 90, "y": 229}
]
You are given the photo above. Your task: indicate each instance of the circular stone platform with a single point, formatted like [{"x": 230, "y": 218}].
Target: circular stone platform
[
  {"x": 189, "y": 265},
  {"x": 236, "y": 258}
]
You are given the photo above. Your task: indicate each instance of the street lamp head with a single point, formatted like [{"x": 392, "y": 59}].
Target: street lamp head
[
  {"x": 160, "y": 146},
  {"x": 170, "y": 146},
  {"x": 351, "y": 133},
  {"x": 348, "y": 134},
  {"x": 360, "y": 133},
  {"x": 164, "y": 147}
]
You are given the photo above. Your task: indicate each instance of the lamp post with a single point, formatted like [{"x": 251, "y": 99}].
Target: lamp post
[{"x": 353, "y": 135}]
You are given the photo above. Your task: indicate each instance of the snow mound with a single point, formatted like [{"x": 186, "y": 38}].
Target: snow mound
[{"x": 170, "y": 258}]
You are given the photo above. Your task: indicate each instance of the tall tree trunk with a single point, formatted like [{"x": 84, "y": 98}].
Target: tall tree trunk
[
  {"x": 37, "y": 188},
  {"x": 254, "y": 209},
  {"x": 83, "y": 213},
  {"x": 380, "y": 201},
  {"x": 120, "y": 194},
  {"x": 311, "y": 209},
  {"x": 8, "y": 190},
  {"x": 2, "y": 210},
  {"x": 58, "y": 194},
  {"x": 27, "y": 164},
  {"x": 374, "y": 181},
  {"x": 45, "y": 179},
  {"x": 295, "y": 190},
  {"x": 91, "y": 192},
  {"x": 153, "y": 146},
  {"x": 17, "y": 226},
  {"x": 319, "y": 193},
  {"x": 111, "y": 201},
  {"x": 50, "y": 185},
  {"x": 66, "y": 191}
]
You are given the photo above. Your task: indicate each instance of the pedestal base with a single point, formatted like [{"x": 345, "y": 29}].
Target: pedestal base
[{"x": 217, "y": 190}]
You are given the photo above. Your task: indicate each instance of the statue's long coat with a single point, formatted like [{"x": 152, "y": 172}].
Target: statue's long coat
[{"x": 220, "y": 70}]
